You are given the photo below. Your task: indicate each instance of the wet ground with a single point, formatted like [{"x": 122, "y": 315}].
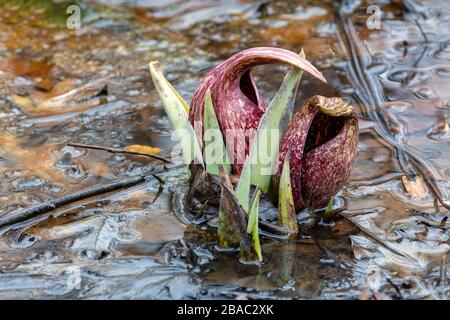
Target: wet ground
[{"x": 91, "y": 85}]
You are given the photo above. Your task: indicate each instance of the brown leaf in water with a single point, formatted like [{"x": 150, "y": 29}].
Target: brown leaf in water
[
  {"x": 36, "y": 160},
  {"x": 230, "y": 212},
  {"x": 143, "y": 149},
  {"x": 233, "y": 222},
  {"x": 22, "y": 66},
  {"x": 202, "y": 186},
  {"x": 66, "y": 96},
  {"x": 416, "y": 188}
]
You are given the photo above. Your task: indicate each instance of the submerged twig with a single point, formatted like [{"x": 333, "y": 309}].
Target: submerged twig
[
  {"x": 45, "y": 207},
  {"x": 117, "y": 150},
  {"x": 396, "y": 288},
  {"x": 160, "y": 188}
]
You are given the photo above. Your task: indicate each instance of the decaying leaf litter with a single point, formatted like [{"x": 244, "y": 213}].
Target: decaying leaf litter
[{"x": 375, "y": 198}]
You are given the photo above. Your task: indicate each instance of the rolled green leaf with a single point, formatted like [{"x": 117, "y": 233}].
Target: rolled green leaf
[
  {"x": 243, "y": 187},
  {"x": 252, "y": 225},
  {"x": 264, "y": 149},
  {"x": 329, "y": 206},
  {"x": 286, "y": 208},
  {"x": 215, "y": 152},
  {"x": 177, "y": 110},
  {"x": 268, "y": 138}
]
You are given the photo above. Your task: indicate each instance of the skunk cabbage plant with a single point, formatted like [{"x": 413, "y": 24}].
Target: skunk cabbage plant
[
  {"x": 321, "y": 139},
  {"x": 237, "y": 102},
  {"x": 306, "y": 165}
]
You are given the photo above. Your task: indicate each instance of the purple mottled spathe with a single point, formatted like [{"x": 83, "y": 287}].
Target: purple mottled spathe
[
  {"x": 322, "y": 137},
  {"x": 237, "y": 102}
]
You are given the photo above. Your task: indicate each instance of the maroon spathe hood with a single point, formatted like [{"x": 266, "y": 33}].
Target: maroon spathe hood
[
  {"x": 237, "y": 102},
  {"x": 322, "y": 137}
]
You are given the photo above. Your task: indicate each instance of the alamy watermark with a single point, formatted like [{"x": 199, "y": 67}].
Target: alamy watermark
[
  {"x": 74, "y": 19},
  {"x": 374, "y": 20}
]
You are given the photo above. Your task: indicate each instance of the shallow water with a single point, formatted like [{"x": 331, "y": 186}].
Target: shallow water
[{"x": 92, "y": 86}]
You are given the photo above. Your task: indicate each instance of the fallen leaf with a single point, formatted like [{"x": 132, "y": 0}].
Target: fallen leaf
[
  {"x": 416, "y": 188},
  {"x": 143, "y": 149},
  {"x": 231, "y": 215},
  {"x": 39, "y": 71},
  {"x": 66, "y": 96},
  {"x": 202, "y": 186}
]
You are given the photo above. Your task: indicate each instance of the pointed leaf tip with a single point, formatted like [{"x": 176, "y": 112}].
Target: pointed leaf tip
[
  {"x": 265, "y": 146},
  {"x": 286, "y": 207},
  {"x": 243, "y": 187},
  {"x": 215, "y": 152},
  {"x": 177, "y": 110},
  {"x": 252, "y": 226}
]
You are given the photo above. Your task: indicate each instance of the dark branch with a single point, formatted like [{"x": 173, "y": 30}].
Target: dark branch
[{"x": 28, "y": 213}]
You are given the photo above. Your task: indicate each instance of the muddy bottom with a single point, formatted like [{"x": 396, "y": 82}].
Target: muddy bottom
[{"x": 60, "y": 84}]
